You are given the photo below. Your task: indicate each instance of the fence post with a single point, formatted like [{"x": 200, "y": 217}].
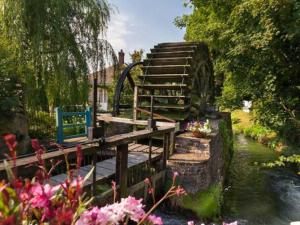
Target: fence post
[
  {"x": 135, "y": 105},
  {"x": 166, "y": 150},
  {"x": 94, "y": 165},
  {"x": 59, "y": 125},
  {"x": 88, "y": 119},
  {"x": 121, "y": 169}
]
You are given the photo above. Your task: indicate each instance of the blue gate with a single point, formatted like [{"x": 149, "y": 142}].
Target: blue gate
[{"x": 65, "y": 120}]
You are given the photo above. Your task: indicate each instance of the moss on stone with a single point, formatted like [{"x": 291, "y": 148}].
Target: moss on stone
[
  {"x": 205, "y": 204},
  {"x": 227, "y": 136}
]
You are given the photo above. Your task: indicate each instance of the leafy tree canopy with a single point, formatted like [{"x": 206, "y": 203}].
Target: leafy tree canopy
[{"x": 255, "y": 43}]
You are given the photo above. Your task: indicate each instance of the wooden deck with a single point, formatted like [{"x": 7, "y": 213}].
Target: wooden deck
[
  {"x": 125, "y": 155},
  {"x": 139, "y": 154}
]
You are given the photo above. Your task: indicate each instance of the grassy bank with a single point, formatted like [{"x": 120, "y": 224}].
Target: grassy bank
[{"x": 243, "y": 122}]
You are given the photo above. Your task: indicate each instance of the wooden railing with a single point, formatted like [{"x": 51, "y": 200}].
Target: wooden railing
[
  {"x": 60, "y": 124},
  {"x": 121, "y": 143}
]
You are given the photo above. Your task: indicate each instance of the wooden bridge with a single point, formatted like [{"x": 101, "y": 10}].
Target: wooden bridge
[{"x": 126, "y": 152}]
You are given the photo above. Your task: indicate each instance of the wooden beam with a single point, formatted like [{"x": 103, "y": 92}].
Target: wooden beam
[
  {"x": 94, "y": 162},
  {"x": 135, "y": 105},
  {"x": 121, "y": 169},
  {"x": 166, "y": 149},
  {"x": 158, "y": 116},
  {"x": 132, "y": 136},
  {"x": 108, "y": 118},
  {"x": 86, "y": 147}
]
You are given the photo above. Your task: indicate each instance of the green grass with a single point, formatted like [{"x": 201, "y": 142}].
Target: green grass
[{"x": 243, "y": 122}]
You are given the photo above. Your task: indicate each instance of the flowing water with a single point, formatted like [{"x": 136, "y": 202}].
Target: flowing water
[{"x": 255, "y": 196}]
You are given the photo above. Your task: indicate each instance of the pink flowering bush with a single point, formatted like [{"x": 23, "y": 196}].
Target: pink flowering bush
[
  {"x": 127, "y": 209},
  {"x": 36, "y": 201}
]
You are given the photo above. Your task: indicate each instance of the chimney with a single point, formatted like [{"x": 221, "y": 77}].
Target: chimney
[{"x": 121, "y": 58}]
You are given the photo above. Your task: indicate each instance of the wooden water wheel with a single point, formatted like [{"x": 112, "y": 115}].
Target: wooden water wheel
[{"x": 179, "y": 76}]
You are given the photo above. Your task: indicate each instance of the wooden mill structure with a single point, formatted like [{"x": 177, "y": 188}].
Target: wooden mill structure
[
  {"x": 179, "y": 78},
  {"x": 176, "y": 84}
]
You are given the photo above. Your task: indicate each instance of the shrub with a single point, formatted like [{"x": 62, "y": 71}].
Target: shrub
[{"x": 41, "y": 125}]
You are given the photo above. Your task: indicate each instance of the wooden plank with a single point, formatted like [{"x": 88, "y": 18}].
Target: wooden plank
[
  {"x": 104, "y": 172},
  {"x": 109, "y": 165},
  {"x": 138, "y": 157},
  {"x": 156, "y": 115},
  {"x": 144, "y": 148},
  {"x": 163, "y": 86},
  {"x": 105, "y": 168},
  {"x": 132, "y": 136},
  {"x": 164, "y": 96},
  {"x": 108, "y": 118},
  {"x": 99, "y": 175},
  {"x": 49, "y": 155},
  {"x": 135, "y": 105},
  {"x": 157, "y": 150},
  {"x": 89, "y": 146},
  {"x": 135, "y": 146},
  {"x": 60, "y": 178},
  {"x": 167, "y": 106},
  {"x": 141, "y": 148},
  {"x": 166, "y": 149}
]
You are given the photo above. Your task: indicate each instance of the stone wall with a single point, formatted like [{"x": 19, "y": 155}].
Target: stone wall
[{"x": 201, "y": 162}]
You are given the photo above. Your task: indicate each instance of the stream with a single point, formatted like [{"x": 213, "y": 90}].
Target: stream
[{"x": 255, "y": 196}]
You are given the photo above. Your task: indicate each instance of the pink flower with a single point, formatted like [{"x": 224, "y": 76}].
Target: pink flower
[
  {"x": 36, "y": 145},
  {"x": 191, "y": 223},
  {"x": 175, "y": 174},
  {"x": 150, "y": 191},
  {"x": 41, "y": 195},
  {"x": 10, "y": 141},
  {"x": 113, "y": 185},
  {"x": 155, "y": 220},
  {"x": 24, "y": 196},
  {"x": 147, "y": 181},
  {"x": 133, "y": 208},
  {"x": 114, "y": 212},
  {"x": 180, "y": 191},
  {"x": 93, "y": 216},
  {"x": 76, "y": 183}
]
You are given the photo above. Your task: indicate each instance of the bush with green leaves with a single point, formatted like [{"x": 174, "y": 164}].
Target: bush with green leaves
[{"x": 255, "y": 43}]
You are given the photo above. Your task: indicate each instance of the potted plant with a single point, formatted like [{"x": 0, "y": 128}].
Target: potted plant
[{"x": 199, "y": 129}]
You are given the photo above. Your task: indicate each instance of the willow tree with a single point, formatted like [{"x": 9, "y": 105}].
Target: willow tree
[{"x": 61, "y": 42}]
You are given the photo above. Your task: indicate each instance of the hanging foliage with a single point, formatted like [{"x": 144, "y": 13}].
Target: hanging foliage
[{"x": 61, "y": 42}]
